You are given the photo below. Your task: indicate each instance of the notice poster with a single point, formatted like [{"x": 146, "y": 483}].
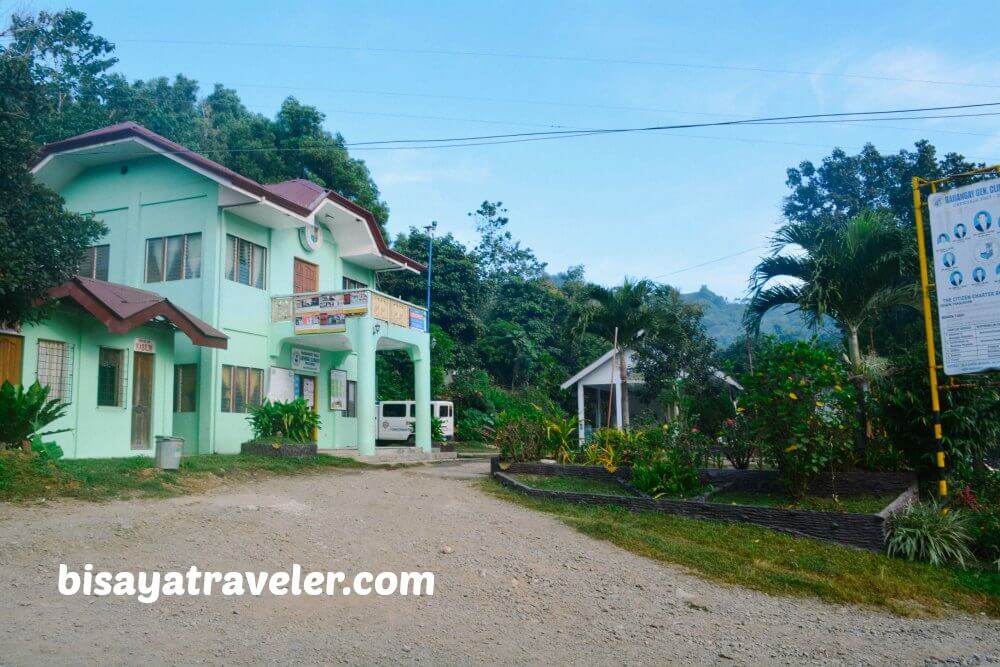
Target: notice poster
[
  {"x": 281, "y": 385},
  {"x": 327, "y": 313},
  {"x": 418, "y": 319},
  {"x": 965, "y": 233},
  {"x": 338, "y": 389}
]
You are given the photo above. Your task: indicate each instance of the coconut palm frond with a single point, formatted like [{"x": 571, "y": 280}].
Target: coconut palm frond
[{"x": 767, "y": 298}]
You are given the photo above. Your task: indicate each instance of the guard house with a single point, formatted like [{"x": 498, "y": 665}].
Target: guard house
[{"x": 210, "y": 293}]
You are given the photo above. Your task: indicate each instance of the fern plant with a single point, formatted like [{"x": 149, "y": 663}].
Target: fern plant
[
  {"x": 923, "y": 531},
  {"x": 25, "y": 412}
]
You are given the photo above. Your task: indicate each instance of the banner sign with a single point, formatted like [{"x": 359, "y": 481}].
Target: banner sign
[
  {"x": 306, "y": 361},
  {"x": 965, "y": 233},
  {"x": 418, "y": 319},
  {"x": 338, "y": 389},
  {"x": 328, "y": 313},
  {"x": 281, "y": 385}
]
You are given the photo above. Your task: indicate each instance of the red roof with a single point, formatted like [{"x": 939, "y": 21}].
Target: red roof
[
  {"x": 298, "y": 196},
  {"x": 122, "y": 308}
]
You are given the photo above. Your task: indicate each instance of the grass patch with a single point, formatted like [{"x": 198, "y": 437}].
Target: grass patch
[
  {"x": 573, "y": 484},
  {"x": 138, "y": 477},
  {"x": 775, "y": 563},
  {"x": 858, "y": 504}
]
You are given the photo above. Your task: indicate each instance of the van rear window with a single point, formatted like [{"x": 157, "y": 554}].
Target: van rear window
[{"x": 394, "y": 410}]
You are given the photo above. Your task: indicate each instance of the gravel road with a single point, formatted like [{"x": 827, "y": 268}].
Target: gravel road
[{"x": 516, "y": 587}]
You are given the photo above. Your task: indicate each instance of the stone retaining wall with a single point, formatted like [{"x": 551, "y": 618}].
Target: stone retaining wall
[
  {"x": 865, "y": 531},
  {"x": 268, "y": 449}
]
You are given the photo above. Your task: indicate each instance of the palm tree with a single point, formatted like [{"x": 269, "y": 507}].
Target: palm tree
[
  {"x": 625, "y": 309},
  {"x": 848, "y": 271}
]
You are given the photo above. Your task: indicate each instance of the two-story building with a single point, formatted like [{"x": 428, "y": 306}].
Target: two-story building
[{"x": 209, "y": 294}]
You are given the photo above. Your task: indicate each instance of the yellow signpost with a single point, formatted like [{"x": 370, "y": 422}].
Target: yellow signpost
[{"x": 925, "y": 285}]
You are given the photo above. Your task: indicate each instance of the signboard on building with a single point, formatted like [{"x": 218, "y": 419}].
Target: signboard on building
[
  {"x": 328, "y": 313},
  {"x": 418, "y": 319},
  {"x": 965, "y": 234},
  {"x": 306, "y": 361},
  {"x": 144, "y": 345},
  {"x": 281, "y": 385},
  {"x": 338, "y": 389}
]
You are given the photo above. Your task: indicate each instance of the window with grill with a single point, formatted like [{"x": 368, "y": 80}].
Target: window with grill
[
  {"x": 55, "y": 369},
  {"x": 246, "y": 262},
  {"x": 173, "y": 258},
  {"x": 351, "y": 283},
  {"x": 242, "y": 388},
  {"x": 111, "y": 377},
  {"x": 352, "y": 399},
  {"x": 95, "y": 262},
  {"x": 185, "y": 387}
]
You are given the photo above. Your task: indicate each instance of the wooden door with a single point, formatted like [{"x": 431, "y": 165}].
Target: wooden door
[
  {"x": 142, "y": 400},
  {"x": 11, "y": 353},
  {"x": 306, "y": 277}
]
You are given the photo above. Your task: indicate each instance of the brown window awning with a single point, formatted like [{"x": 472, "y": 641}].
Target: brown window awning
[{"x": 122, "y": 308}]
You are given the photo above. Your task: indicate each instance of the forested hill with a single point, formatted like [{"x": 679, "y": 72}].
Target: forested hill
[{"x": 723, "y": 319}]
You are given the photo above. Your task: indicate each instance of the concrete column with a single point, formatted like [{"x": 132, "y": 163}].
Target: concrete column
[
  {"x": 422, "y": 398},
  {"x": 580, "y": 413},
  {"x": 366, "y": 390}
]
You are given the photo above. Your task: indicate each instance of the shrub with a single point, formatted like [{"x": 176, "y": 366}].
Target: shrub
[
  {"x": 293, "y": 419},
  {"x": 674, "y": 474},
  {"x": 979, "y": 497},
  {"x": 800, "y": 403},
  {"x": 24, "y": 413},
  {"x": 737, "y": 441},
  {"x": 518, "y": 437},
  {"x": 561, "y": 435},
  {"x": 923, "y": 532}
]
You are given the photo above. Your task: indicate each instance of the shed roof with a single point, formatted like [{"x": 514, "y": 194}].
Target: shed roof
[{"x": 122, "y": 308}]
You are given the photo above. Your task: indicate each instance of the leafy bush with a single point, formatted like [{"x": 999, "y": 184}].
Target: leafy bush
[
  {"x": 736, "y": 438},
  {"x": 801, "y": 406},
  {"x": 923, "y": 532},
  {"x": 24, "y": 413},
  {"x": 292, "y": 419},
  {"x": 674, "y": 474},
  {"x": 518, "y": 437},
  {"x": 979, "y": 497},
  {"x": 561, "y": 435}
]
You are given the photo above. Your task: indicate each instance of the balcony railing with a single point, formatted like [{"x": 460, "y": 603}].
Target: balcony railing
[{"x": 328, "y": 312}]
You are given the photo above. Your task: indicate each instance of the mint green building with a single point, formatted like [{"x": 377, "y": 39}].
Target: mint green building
[{"x": 256, "y": 292}]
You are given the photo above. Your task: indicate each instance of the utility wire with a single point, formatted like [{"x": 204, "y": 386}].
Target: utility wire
[{"x": 711, "y": 261}]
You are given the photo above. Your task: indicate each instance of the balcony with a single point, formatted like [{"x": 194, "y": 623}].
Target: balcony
[{"x": 330, "y": 320}]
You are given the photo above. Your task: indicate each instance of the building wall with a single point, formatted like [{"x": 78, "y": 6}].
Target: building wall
[{"x": 100, "y": 431}]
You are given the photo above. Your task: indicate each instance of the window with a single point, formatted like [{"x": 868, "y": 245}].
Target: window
[
  {"x": 242, "y": 388},
  {"x": 55, "y": 369},
  {"x": 394, "y": 410},
  {"x": 305, "y": 277},
  {"x": 185, "y": 387},
  {"x": 246, "y": 262},
  {"x": 351, "y": 283},
  {"x": 111, "y": 378},
  {"x": 95, "y": 262},
  {"x": 352, "y": 399},
  {"x": 173, "y": 258}
]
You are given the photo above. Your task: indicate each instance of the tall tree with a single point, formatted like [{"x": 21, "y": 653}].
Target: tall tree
[
  {"x": 41, "y": 245},
  {"x": 849, "y": 272},
  {"x": 621, "y": 314}
]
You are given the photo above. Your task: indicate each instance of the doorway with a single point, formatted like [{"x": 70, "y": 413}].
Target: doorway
[
  {"x": 11, "y": 353},
  {"x": 142, "y": 399},
  {"x": 306, "y": 389}
]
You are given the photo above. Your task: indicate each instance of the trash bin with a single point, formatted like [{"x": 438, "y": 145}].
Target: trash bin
[{"x": 168, "y": 452}]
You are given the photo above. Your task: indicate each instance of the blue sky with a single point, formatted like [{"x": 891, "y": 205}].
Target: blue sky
[{"x": 647, "y": 205}]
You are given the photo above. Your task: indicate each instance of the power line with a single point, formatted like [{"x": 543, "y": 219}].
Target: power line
[{"x": 711, "y": 261}]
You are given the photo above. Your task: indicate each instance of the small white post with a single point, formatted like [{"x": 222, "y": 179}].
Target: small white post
[{"x": 580, "y": 412}]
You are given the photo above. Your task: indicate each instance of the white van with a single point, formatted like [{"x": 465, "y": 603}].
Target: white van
[{"x": 396, "y": 417}]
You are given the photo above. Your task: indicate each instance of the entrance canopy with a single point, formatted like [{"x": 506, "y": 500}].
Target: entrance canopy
[{"x": 122, "y": 308}]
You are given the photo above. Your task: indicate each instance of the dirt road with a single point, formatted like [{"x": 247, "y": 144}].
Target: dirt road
[{"x": 517, "y": 587}]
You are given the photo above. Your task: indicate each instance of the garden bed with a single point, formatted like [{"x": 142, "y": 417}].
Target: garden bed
[
  {"x": 278, "y": 447},
  {"x": 863, "y": 530}
]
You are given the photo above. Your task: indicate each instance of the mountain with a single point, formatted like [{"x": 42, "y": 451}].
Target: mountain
[{"x": 723, "y": 319}]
